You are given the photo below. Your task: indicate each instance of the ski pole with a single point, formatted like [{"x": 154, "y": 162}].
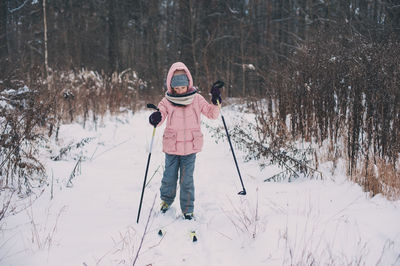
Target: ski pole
[
  {"x": 243, "y": 192},
  {"x": 149, "y": 105}
]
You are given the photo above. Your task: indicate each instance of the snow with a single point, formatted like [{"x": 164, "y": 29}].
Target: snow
[
  {"x": 329, "y": 221},
  {"x": 12, "y": 92}
]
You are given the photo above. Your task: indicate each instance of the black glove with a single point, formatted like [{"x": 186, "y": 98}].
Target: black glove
[
  {"x": 215, "y": 92},
  {"x": 155, "y": 118}
]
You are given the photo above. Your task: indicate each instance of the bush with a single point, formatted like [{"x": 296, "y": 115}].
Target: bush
[
  {"x": 341, "y": 88},
  {"x": 32, "y": 109}
]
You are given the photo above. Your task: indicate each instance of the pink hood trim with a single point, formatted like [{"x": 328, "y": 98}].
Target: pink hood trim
[{"x": 178, "y": 66}]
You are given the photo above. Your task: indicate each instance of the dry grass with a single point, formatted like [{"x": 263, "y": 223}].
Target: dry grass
[
  {"x": 43, "y": 235},
  {"x": 379, "y": 178},
  {"x": 245, "y": 217}
]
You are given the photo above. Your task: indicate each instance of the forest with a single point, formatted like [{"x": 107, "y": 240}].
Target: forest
[{"x": 317, "y": 71}]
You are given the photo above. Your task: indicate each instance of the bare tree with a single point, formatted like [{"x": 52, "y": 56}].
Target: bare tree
[{"x": 3, "y": 30}]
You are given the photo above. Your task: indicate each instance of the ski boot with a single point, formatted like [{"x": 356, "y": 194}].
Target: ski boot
[
  {"x": 164, "y": 207},
  {"x": 188, "y": 216}
]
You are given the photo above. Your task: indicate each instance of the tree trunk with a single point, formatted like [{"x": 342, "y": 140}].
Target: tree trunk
[
  {"x": 46, "y": 60},
  {"x": 3, "y": 30},
  {"x": 242, "y": 59},
  {"x": 113, "y": 41}
]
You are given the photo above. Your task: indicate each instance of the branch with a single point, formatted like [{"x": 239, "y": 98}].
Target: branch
[
  {"x": 5, "y": 207},
  {"x": 18, "y": 8},
  {"x": 145, "y": 232}
]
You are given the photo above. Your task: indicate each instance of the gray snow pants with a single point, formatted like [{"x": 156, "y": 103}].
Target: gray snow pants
[{"x": 184, "y": 163}]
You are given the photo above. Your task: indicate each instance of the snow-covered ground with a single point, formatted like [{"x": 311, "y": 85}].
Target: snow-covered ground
[{"x": 93, "y": 222}]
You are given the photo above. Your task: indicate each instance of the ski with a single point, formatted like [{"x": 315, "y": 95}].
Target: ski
[
  {"x": 188, "y": 224},
  {"x": 193, "y": 235}
]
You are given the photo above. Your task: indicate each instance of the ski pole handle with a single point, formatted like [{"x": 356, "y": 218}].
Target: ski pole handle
[{"x": 152, "y": 106}]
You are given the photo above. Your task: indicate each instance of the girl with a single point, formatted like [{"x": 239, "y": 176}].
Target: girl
[{"x": 182, "y": 139}]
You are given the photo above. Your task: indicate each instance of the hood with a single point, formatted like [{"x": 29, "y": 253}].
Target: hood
[{"x": 172, "y": 69}]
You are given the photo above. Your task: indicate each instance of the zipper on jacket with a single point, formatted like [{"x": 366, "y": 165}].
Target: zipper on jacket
[
  {"x": 170, "y": 117},
  {"x": 197, "y": 116},
  {"x": 184, "y": 130}
]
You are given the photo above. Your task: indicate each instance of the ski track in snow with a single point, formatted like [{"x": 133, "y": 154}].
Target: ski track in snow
[{"x": 94, "y": 223}]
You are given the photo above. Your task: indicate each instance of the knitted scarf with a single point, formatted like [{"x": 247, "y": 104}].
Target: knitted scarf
[{"x": 181, "y": 99}]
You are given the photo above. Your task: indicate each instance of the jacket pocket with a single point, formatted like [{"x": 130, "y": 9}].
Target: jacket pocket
[
  {"x": 197, "y": 140},
  {"x": 169, "y": 141}
]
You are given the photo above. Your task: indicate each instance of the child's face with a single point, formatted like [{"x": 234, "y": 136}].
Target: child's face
[{"x": 180, "y": 89}]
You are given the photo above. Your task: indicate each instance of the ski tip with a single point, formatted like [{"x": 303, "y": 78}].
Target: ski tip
[{"x": 193, "y": 236}]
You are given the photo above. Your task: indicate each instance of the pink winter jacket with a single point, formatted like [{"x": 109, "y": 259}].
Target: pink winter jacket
[{"x": 182, "y": 134}]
